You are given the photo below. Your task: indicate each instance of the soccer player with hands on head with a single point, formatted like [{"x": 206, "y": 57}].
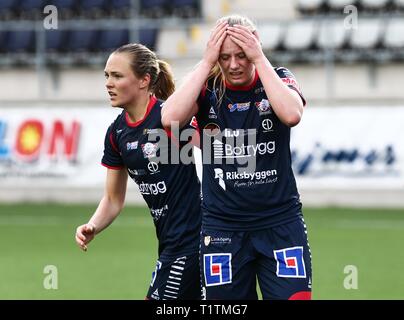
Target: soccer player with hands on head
[{"x": 252, "y": 222}]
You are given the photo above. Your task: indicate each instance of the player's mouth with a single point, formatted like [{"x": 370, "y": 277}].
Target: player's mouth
[
  {"x": 236, "y": 75},
  {"x": 112, "y": 95}
]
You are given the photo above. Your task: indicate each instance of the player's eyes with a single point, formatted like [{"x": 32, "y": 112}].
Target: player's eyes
[{"x": 116, "y": 76}]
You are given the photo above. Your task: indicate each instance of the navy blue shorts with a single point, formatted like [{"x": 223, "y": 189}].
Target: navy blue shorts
[
  {"x": 176, "y": 278},
  {"x": 278, "y": 257}
]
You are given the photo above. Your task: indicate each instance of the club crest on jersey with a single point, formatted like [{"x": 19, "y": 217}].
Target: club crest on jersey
[
  {"x": 239, "y": 107},
  {"x": 132, "y": 145},
  {"x": 263, "y": 107},
  {"x": 217, "y": 269},
  {"x": 149, "y": 149},
  {"x": 290, "y": 263}
]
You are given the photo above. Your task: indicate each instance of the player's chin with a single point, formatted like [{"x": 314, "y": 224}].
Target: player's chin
[
  {"x": 238, "y": 82},
  {"x": 115, "y": 104}
]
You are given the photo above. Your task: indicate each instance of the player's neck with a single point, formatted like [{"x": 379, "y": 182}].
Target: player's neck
[{"x": 137, "y": 110}]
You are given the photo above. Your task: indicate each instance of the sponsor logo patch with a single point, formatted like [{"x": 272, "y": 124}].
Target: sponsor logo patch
[
  {"x": 225, "y": 150},
  {"x": 290, "y": 263},
  {"x": 267, "y": 125},
  {"x": 219, "y": 175},
  {"x": 152, "y": 188},
  {"x": 239, "y": 107},
  {"x": 216, "y": 240},
  {"x": 217, "y": 269},
  {"x": 132, "y": 145}
]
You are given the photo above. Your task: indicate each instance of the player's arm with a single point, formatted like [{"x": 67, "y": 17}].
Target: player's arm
[
  {"x": 286, "y": 103},
  {"x": 108, "y": 209},
  {"x": 181, "y": 105}
]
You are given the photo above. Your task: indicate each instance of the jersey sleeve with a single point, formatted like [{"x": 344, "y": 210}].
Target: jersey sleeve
[
  {"x": 205, "y": 99},
  {"x": 193, "y": 132},
  {"x": 112, "y": 158},
  {"x": 202, "y": 95},
  {"x": 289, "y": 79}
]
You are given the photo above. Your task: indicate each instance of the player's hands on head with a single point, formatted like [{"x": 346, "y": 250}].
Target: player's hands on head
[
  {"x": 247, "y": 40},
  {"x": 215, "y": 42},
  {"x": 84, "y": 234}
]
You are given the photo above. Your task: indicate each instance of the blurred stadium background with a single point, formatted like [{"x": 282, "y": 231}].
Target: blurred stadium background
[{"x": 348, "y": 150}]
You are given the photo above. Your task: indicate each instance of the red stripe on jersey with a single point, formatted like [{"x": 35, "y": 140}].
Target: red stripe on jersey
[
  {"x": 150, "y": 106},
  {"x": 111, "y": 139},
  {"x": 110, "y": 167}
]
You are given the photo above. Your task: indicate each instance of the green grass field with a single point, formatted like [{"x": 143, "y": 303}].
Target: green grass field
[{"x": 120, "y": 260}]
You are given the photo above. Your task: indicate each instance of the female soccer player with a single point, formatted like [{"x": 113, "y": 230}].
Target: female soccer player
[
  {"x": 135, "y": 79},
  {"x": 252, "y": 223}
]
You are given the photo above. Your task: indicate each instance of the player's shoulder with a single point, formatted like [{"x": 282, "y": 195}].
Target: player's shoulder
[
  {"x": 159, "y": 104},
  {"x": 153, "y": 116},
  {"x": 117, "y": 122},
  {"x": 120, "y": 118}
]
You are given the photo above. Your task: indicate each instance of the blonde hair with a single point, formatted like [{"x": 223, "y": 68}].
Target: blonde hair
[
  {"x": 216, "y": 74},
  {"x": 144, "y": 61}
]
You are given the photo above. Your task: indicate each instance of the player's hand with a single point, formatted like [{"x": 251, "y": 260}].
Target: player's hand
[
  {"x": 215, "y": 42},
  {"x": 247, "y": 40},
  {"x": 84, "y": 234}
]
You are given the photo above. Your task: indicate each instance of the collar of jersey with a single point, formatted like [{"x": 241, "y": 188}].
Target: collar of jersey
[
  {"x": 243, "y": 88},
  {"x": 152, "y": 102}
]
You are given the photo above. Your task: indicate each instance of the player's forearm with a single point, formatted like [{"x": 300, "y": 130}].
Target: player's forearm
[
  {"x": 285, "y": 102},
  {"x": 106, "y": 212},
  {"x": 180, "y": 105}
]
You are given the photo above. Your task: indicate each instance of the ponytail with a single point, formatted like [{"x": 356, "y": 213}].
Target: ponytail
[{"x": 164, "y": 85}]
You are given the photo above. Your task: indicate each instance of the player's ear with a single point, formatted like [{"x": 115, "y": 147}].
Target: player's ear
[{"x": 145, "y": 81}]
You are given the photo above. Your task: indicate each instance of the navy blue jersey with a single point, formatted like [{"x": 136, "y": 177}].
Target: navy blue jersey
[
  {"x": 171, "y": 191},
  {"x": 241, "y": 127}
]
